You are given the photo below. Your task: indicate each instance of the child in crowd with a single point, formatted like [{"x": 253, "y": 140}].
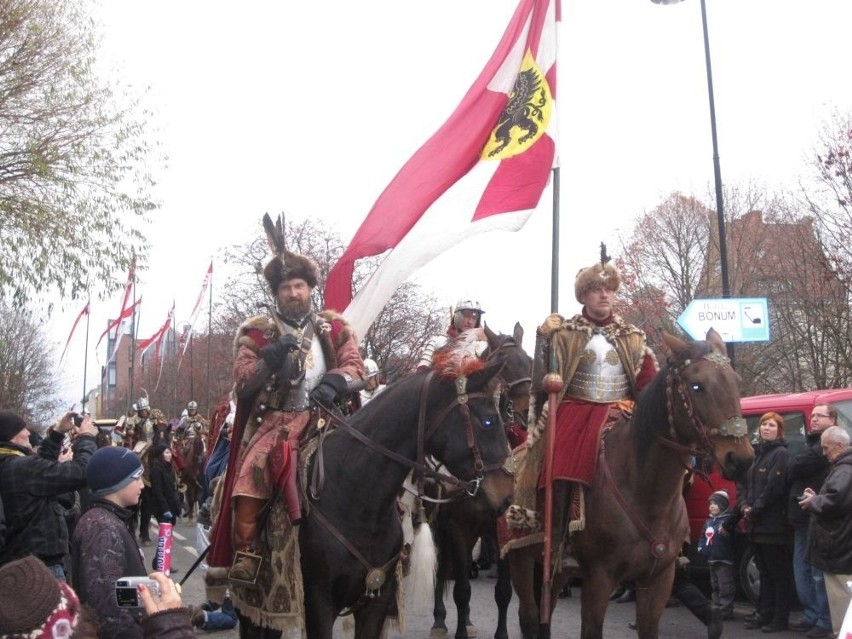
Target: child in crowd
[{"x": 717, "y": 544}]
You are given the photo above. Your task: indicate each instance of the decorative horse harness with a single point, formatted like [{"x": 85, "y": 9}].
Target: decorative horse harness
[
  {"x": 376, "y": 576},
  {"x": 735, "y": 427}
]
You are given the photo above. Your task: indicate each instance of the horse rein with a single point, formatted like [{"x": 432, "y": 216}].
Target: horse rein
[{"x": 659, "y": 546}]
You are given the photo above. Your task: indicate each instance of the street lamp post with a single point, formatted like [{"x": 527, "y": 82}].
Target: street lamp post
[{"x": 717, "y": 171}]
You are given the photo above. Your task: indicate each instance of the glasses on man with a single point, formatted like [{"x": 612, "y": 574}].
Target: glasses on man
[{"x": 820, "y": 415}]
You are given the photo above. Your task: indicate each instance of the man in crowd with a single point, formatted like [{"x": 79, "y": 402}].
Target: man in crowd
[
  {"x": 809, "y": 468},
  {"x": 283, "y": 364},
  {"x": 830, "y": 531},
  {"x": 30, "y": 486},
  {"x": 192, "y": 424}
]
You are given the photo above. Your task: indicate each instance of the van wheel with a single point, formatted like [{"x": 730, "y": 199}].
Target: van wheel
[{"x": 749, "y": 576}]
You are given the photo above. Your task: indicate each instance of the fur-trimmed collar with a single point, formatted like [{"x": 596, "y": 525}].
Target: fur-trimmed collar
[{"x": 618, "y": 327}]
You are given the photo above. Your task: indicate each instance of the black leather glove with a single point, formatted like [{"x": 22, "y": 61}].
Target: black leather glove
[
  {"x": 331, "y": 388},
  {"x": 275, "y": 354}
]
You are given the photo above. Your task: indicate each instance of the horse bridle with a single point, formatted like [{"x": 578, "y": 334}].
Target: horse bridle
[
  {"x": 735, "y": 427},
  {"x": 510, "y": 416},
  {"x": 376, "y": 576}
]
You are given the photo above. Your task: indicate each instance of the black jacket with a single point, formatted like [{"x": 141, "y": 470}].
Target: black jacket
[
  {"x": 102, "y": 550},
  {"x": 30, "y": 487},
  {"x": 164, "y": 492},
  {"x": 767, "y": 489},
  {"x": 806, "y": 469},
  {"x": 830, "y": 531}
]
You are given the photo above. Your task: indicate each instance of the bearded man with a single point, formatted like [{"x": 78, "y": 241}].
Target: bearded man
[{"x": 285, "y": 364}]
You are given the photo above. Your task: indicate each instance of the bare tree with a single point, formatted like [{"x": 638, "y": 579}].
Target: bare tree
[
  {"x": 27, "y": 367},
  {"x": 73, "y": 159}
]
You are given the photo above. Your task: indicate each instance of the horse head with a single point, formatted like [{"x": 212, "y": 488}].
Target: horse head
[
  {"x": 704, "y": 403},
  {"x": 516, "y": 373},
  {"x": 475, "y": 394}
]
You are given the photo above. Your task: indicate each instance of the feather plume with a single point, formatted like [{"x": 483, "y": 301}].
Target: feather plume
[
  {"x": 604, "y": 257},
  {"x": 275, "y": 233},
  {"x": 459, "y": 357}
]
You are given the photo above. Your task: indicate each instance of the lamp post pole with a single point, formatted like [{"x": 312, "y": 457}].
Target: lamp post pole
[{"x": 717, "y": 171}]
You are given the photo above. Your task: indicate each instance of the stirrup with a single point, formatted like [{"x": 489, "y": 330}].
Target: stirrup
[{"x": 242, "y": 559}]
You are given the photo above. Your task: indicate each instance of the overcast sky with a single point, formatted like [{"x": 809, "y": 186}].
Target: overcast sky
[{"x": 311, "y": 108}]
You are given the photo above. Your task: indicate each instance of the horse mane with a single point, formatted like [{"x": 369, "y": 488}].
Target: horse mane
[
  {"x": 651, "y": 409},
  {"x": 458, "y": 358}
]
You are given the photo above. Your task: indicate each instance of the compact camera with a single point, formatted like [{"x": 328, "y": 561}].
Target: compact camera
[{"x": 127, "y": 592}]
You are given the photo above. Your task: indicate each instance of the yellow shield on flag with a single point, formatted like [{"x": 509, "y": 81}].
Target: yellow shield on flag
[{"x": 526, "y": 115}]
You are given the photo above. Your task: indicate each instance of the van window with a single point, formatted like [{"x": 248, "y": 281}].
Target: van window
[{"x": 794, "y": 429}]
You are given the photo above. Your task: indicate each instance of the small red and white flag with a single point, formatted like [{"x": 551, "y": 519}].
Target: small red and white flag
[
  {"x": 157, "y": 338},
  {"x": 485, "y": 169},
  {"x": 85, "y": 311},
  {"x": 187, "y": 336},
  {"x": 125, "y": 311}
]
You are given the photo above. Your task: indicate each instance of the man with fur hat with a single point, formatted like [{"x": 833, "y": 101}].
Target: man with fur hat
[
  {"x": 604, "y": 362},
  {"x": 285, "y": 365},
  {"x": 31, "y": 484}
]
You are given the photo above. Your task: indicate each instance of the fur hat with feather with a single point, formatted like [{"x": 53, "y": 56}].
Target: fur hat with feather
[
  {"x": 285, "y": 265},
  {"x": 603, "y": 273}
]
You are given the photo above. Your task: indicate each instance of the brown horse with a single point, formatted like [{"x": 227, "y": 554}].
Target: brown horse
[
  {"x": 193, "y": 451},
  {"x": 635, "y": 514},
  {"x": 458, "y": 524}
]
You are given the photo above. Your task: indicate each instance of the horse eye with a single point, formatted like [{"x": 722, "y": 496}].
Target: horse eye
[
  {"x": 696, "y": 387},
  {"x": 487, "y": 423}
]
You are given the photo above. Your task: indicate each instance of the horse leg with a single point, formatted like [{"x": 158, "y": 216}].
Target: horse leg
[
  {"x": 319, "y": 612},
  {"x": 502, "y": 597},
  {"x": 370, "y": 620},
  {"x": 461, "y": 595},
  {"x": 522, "y": 571},
  {"x": 651, "y": 599},
  {"x": 439, "y": 610},
  {"x": 594, "y": 599}
]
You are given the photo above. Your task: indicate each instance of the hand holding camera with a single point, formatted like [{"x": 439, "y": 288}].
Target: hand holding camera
[{"x": 168, "y": 594}]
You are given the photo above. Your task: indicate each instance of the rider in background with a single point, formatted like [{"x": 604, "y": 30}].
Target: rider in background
[
  {"x": 374, "y": 382},
  {"x": 466, "y": 315}
]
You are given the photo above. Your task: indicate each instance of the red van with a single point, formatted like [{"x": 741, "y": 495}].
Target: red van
[{"x": 796, "y": 409}]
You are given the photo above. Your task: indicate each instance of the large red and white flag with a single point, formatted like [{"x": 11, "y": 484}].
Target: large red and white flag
[
  {"x": 125, "y": 311},
  {"x": 187, "y": 336},
  {"x": 85, "y": 311},
  {"x": 484, "y": 169}
]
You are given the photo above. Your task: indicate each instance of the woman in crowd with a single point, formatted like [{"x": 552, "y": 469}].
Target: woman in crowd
[{"x": 764, "y": 506}]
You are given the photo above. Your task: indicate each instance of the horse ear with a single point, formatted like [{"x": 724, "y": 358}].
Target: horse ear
[
  {"x": 518, "y": 333},
  {"x": 491, "y": 336},
  {"x": 674, "y": 344},
  {"x": 716, "y": 340}
]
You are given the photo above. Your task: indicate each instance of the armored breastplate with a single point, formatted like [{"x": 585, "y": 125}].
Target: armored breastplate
[{"x": 599, "y": 377}]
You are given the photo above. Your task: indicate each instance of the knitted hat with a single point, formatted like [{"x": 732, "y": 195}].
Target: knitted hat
[
  {"x": 158, "y": 450},
  {"x": 112, "y": 468},
  {"x": 720, "y": 498},
  {"x": 34, "y": 603},
  {"x": 10, "y": 425}
]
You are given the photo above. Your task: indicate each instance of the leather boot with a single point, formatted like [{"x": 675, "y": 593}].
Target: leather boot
[{"x": 245, "y": 528}]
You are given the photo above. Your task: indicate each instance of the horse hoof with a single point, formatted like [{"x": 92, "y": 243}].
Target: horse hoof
[
  {"x": 471, "y": 631},
  {"x": 437, "y": 633}
]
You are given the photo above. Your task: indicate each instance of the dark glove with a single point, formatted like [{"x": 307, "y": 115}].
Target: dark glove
[
  {"x": 332, "y": 387},
  {"x": 167, "y": 517},
  {"x": 275, "y": 354}
]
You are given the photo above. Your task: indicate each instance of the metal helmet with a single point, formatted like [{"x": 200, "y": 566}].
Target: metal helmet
[
  {"x": 371, "y": 368},
  {"x": 466, "y": 304},
  {"x": 142, "y": 404},
  {"x": 193, "y": 405}
]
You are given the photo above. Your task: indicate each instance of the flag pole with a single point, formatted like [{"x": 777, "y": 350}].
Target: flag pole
[
  {"x": 554, "y": 249},
  {"x": 209, "y": 332},
  {"x": 133, "y": 324},
  {"x": 86, "y": 354}
]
